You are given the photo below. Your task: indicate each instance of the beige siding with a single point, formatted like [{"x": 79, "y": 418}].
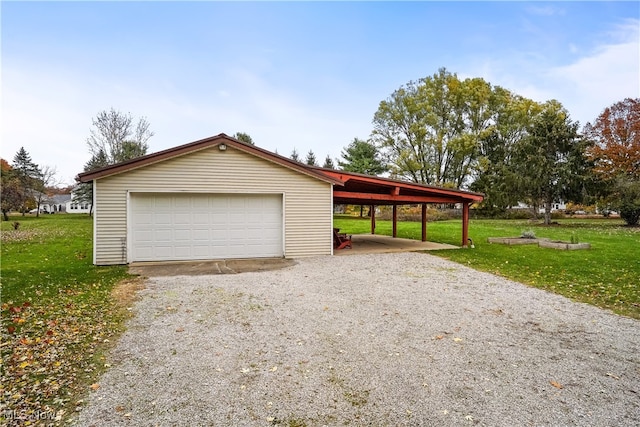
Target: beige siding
[{"x": 307, "y": 200}]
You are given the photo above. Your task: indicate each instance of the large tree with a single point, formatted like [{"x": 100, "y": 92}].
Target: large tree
[
  {"x": 616, "y": 137},
  {"x": 362, "y": 157},
  {"x": 549, "y": 160},
  {"x": 494, "y": 173},
  {"x": 615, "y": 153},
  {"x": 430, "y": 129},
  {"x": 117, "y": 136}
]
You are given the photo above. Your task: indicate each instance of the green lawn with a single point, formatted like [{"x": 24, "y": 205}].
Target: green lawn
[
  {"x": 607, "y": 275},
  {"x": 59, "y": 314}
]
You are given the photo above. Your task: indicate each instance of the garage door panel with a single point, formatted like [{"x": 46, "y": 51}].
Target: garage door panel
[{"x": 211, "y": 226}]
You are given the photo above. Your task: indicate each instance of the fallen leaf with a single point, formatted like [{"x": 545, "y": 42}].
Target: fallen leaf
[
  {"x": 179, "y": 329},
  {"x": 275, "y": 368},
  {"x": 94, "y": 386},
  {"x": 439, "y": 337},
  {"x": 556, "y": 384},
  {"x": 609, "y": 374},
  {"x": 457, "y": 339},
  {"x": 119, "y": 408}
]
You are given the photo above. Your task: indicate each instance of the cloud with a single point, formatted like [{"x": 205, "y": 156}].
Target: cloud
[
  {"x": 605, "y": 74},
  {"x": 610, "y": 73},
  {"x": 546, "y": 10}
]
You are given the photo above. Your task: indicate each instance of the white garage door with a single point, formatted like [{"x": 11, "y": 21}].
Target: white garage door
[{"x": 168, "y": 227}]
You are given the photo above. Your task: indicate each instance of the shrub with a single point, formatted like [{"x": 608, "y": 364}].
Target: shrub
[{"x": 528, "y": 234}]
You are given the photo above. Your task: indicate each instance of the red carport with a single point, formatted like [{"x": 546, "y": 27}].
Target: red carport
[{"x": 359, "y": 189}]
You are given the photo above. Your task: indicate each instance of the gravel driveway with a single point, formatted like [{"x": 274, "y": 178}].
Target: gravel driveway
[{"x": 382, "y": 340}]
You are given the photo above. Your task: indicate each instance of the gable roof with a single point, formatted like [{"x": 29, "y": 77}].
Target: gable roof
[{"x": 203, "y": 144}]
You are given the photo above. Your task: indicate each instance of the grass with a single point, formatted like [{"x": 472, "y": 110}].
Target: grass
[
  {"x": 607, "y": 275},
  {"x": 59, "y": 315}
]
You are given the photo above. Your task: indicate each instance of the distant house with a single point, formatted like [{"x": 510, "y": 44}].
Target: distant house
[
  {"x": 55, "y": 204},
  {"x": 73, "y": 205},
  {"x": 555, "y": 206}
]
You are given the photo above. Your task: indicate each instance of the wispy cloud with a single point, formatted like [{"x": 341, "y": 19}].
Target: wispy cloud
[
  {"x": 545, "y": 10},
  {"x": 610, "y": 73}
]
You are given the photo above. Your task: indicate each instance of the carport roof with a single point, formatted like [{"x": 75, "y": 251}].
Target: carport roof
[{"x": 365, "y": 189}]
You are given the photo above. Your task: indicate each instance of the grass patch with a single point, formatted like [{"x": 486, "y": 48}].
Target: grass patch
[
  {"x": 59, "y": 315},
  {"x": 607, "y": 275}
]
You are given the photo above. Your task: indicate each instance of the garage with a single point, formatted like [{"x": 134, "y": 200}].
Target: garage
[
  {"x": 174, "y": 227},
  {"x": 216, "y": 198}
]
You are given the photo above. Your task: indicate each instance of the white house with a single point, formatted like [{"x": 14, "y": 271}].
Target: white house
[{"x": 75, "y": 206}]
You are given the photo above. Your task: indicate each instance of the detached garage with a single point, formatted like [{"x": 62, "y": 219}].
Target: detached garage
[{"x": 212, "y": 199}]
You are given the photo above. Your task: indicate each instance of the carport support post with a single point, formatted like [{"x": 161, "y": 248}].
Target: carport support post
[
  {"x": 372, "y": 211},
  {"x": 395, "y": 220},
  {"x": 424, "y": 222},
  {"x": 465, "y": 224}
]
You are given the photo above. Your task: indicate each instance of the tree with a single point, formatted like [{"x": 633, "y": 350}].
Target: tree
[
  {"x": 28, "y": 175},
  {"x": 615, "y": 153},
  {"x": 114, "y": 139},
  {"x": 244, "y": 137},
  {"x": 362, "y": 157},
  {"x": 616, "y": 137},
  {"x": 83, "y": 193},
  {"x": 311, "y": 159},
  {"x": 549, "y": 161},
  {"x": 115, "y": 135},
  {"x": 628, "y": 200},
  {"x": 494, "y": 173},
  {"x": 294, "y": 155},
  {"x": 430, "y": 129},
  {"x": 12, "y": 194},
  {"x": 328, "y": 163},
  {"x": 47, "y": 180}
]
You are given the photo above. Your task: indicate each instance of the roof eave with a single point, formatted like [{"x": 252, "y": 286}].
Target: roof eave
[{"x": 202, "y": 145}]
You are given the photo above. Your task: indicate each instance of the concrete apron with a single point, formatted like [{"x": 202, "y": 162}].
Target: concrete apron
[
  {"x": 377, "y": 244},
  {"x": 197, "y": 268},
  {"x": 362, "y": 244}
]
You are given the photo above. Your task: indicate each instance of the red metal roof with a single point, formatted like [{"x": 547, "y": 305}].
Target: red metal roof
[{"x": 365, "y": 189}]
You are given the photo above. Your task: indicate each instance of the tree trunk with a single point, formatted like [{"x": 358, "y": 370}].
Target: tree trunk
[
  {"x": 5, "y": 215},
  {"x": 547, "y": 211},
  {"x": 361, "y": 210}
]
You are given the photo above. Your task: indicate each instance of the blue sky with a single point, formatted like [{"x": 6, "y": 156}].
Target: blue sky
[{"x": 301, "y": 75}]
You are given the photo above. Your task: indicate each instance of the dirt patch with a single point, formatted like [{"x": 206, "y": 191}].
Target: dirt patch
[{"x": 125, "y": 293}]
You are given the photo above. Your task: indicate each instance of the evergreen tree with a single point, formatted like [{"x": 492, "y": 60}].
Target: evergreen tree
[
  {"x": 294, "y": 155},
  {"x": 28, "y": 175},
  {"x": 328, "y": 163},
  {"x": 362, "y": 157},
  {"x": 311, "y": 159}
]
